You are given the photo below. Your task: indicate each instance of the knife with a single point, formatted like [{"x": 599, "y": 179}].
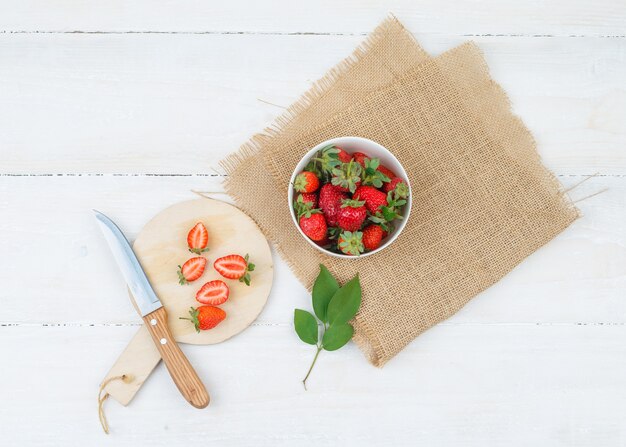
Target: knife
[{"x": 153, "y": 314}]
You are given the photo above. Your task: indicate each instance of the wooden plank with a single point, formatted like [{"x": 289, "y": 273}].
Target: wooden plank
[
  {"x": 560, "y": 17},
  {"x": 517, "y": 385},
  {"x": 152, "y": 103},
  {"x": 58, "y": 252}
]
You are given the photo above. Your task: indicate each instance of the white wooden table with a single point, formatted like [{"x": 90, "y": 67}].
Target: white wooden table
[{"x": 127, "y": 106}]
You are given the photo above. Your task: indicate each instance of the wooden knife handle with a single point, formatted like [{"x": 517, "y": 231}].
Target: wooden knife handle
[{"x": 183, "y": 374}]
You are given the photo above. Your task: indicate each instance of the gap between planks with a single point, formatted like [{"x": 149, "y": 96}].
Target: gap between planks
[
  {"x": 306, "y": 33},
  {"x": 259, "y": 324}
]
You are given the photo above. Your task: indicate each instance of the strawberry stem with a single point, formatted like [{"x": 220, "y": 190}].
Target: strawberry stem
[{"x": 319, "y": 349}]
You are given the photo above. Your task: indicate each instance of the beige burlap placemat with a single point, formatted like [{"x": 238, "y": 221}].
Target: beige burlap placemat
[{"x": 482, "y": 200}]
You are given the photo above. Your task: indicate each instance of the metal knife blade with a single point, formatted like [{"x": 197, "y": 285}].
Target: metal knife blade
[{"x": 145, "y": 298}]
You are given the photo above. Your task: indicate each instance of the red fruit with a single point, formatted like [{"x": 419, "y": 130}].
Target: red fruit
[
  {"x": 310, "y": 197},
  {"x": 351, "y": 243},
  {"x": 360, "y": 157},
  {"x": 330, "y": 202},
  {"x": 234, "y": 267},
  {"x": 198, "y": 239},
  {"x": 351, "y": 215},
  {"x": 191, "y": 270},
  {"x": 324, "y": 242},
  {"x": 390, "y": 186},
  {"x": 306, "y": 182},
  {"x": 347, "y": 176},
  {"x": 205, "y": 317},
  {"x": 343, "y": 156},
  {"x": 385, "y": 170},
  {"x": 213, "y": 293},
  {"x": 372, "y": 237},
  {"x": 314, "y": 226},
  {"x": 373, "y": 198}
]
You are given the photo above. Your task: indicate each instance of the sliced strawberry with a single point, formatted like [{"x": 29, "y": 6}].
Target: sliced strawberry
[
  {"x": 191, "y": 270},
  {"x": 234, "y": 267},
  {"x": 198, "y": 239},
  {"x": 213, "y": 293}
]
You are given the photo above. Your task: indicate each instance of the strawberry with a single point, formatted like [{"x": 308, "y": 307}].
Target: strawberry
[
  {"x": 351, "y": 243},
  {"x": 306, "y": 181},
  {"x": 372, "y": 237},
  {"x": 314, "y": 226},
  {"x": 343, "y": 156},
  {"x": 371, "y": 175},
  {"x": 373, "y": 198},
  {"x": 398, "y": 185},
  {"x": 309, "y": 197},
  {"x": 324, "y": 242},
  {"x": 198, "y": 239},
  {"x": 330, "y": 202},
  {"x": 351, "y": 215},
  {"x": 214, "y": 293},
  {"x": 347, "y": 176},
  {"x": 191, "y": 270},
  {"x": 205, "y": 317},
  {"x": 360, "y": 157},
  {"x": 386, "y": 171},
  {"x": 234, "y": 267}
]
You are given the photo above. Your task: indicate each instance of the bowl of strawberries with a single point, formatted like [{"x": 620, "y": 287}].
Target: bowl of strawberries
[{"x": 349, "y": 197}]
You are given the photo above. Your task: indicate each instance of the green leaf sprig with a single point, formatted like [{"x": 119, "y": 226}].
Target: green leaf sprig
[{"x": 334, "y": 307}]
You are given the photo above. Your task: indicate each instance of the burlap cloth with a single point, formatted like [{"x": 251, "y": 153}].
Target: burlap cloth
[{"x": 482, "y": 200}]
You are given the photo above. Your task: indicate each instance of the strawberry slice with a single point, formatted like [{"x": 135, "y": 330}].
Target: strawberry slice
[
  {"x": 198, "y": 239},
  {"x": 191, "y": 270},
  {"x": 234, "y": 267},
  {"x": 213, "y": 293}
]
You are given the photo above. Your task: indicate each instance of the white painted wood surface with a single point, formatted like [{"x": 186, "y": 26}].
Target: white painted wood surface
[{"x": 126, "y": 107}]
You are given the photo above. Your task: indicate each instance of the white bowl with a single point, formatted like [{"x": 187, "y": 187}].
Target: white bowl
[{"x": 372, "y": 149}]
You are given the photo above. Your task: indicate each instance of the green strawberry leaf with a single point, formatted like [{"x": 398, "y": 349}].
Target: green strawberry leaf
[
  {"x": 306, "y": 326},
  {"x": 324, "y": 288},
  {"x": 337, "y": 336},
  {"x": 345, "y": 302}
]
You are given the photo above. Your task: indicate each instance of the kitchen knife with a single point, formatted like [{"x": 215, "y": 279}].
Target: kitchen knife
[{"x": 153, "y": 314}]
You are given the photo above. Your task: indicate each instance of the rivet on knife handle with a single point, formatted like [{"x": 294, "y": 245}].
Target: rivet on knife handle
[{"x": 183, "y": 374}]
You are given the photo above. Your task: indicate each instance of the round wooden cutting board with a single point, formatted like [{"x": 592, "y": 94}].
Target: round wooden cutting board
[{"x": 162, "y": 246}]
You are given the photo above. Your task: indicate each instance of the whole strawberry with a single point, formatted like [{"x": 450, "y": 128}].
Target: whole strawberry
[
  {"x": 306, "y": 181},
  {"x": 330, "y": 199},
  {"x": 402, "y": 190},
  {"x": 351, "y": 243},
  {"x": 205, "y": 317},
  {"x": 373, "y": 198},
  {"x": 360, "y": 157},
  {"x": 343, "y": 156},
  {"x": 309, "y": 198},
  {"x": 352, "y": 214},
  {"x": 386, "y": 171},
  {"x": 314, "y": 225},
  {"x": 372, "y": 237},
  {"x": 347, "y": 176}
]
